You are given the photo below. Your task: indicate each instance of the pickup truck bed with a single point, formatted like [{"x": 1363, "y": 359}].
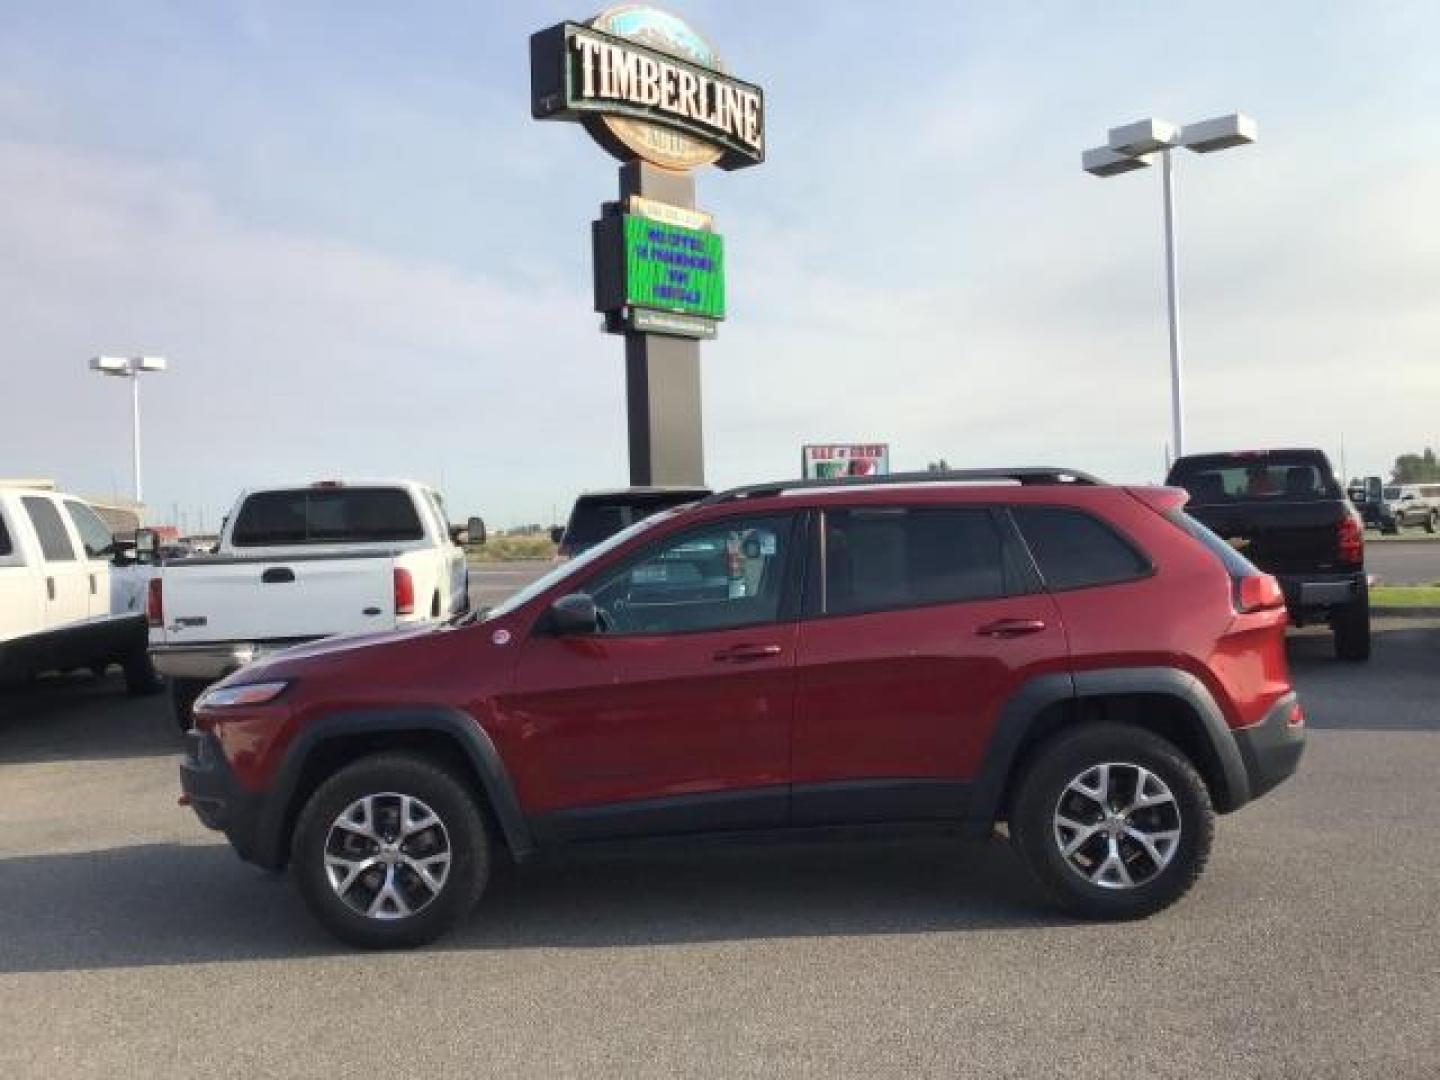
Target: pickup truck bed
[{"x": 1285, "y": 512}]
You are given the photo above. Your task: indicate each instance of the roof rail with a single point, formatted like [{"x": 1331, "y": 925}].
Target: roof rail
[{"x": 1024, "y": 476}]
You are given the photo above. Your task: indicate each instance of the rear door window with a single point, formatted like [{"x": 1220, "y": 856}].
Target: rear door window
[
  {"x": 327, "y": 516},
  {"x": 55, "y": 543},
  {"x": 7, "y": 547},
  {"x": 883, "y": 558},
  {"x": 1074, "y": 550}
]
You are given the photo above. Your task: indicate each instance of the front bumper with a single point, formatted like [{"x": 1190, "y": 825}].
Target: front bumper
[
  {"x": 1271, "y": 749},
  {"x": 217, "y": 798}
]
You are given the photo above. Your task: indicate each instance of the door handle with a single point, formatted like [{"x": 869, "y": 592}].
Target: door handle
[
  {"x": 277, "y": 574},
  {"x": 1010, "y": 628},
  {"x": 92, "y": 584},
  {"x": 50, "y": 587},
  {"x": 740, "y": 654}
]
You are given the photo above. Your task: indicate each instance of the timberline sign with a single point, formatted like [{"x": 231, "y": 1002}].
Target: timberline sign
[{"x": 672, "y": 105}]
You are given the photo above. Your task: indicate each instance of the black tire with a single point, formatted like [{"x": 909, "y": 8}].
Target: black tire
[
  {"x": 463, "y": 825},
  {"x": 1432, "y": 522},
  {"x": 183, "y": 695},
  {"x": 1351, "y": 627},
  {"x": 1071, "y": 756},
  {"x": 141, "y": 678}
]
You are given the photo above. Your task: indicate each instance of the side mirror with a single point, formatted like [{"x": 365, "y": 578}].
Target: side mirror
[
  {"x": 574, "y": 614},
  {"x": 557, "y": 533},
  {"x": 123, "y": 554},
  {"x": 475, "y": 531},
  {"x": 147, "y": 546}
]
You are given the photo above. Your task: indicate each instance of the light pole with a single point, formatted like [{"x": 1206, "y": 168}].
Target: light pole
[
  {"x": 1134, "y": 146},
  {"x": 131, "y": 367}
]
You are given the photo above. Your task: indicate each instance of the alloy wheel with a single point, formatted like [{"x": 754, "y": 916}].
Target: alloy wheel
[
  {"x": 1117, "y": 825},
  {"x": 387, "y": 856}
]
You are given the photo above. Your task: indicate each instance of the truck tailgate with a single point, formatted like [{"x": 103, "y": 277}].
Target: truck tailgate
[
  {"x": 227, "y": 599},
  {"x": 1282, "y": 537}
]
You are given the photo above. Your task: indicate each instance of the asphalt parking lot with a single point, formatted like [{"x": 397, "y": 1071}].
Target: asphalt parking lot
[
  {"x": 133, "y": 943},
  {"x": 1410, "y": 561}
]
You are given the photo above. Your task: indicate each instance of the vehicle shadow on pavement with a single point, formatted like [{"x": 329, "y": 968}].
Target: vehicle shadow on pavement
[
  {"x": 80, "y": 717},
  {"x": 160, "y": 904},
  {"x": 1397, "y": 689}
]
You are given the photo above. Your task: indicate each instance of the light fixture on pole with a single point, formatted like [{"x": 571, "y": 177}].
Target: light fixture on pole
[
  {"x": 131, "y": 367},
  {"x": 1135, "y": 146}
]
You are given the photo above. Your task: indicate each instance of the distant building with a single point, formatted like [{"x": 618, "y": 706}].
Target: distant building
[{"x": 122, "y": 516}]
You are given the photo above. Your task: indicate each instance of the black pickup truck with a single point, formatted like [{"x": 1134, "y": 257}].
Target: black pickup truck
[{"x": 1285, "y": 511}]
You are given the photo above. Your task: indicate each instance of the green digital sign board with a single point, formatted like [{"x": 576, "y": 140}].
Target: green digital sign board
[{"x": 672, "y": 268}]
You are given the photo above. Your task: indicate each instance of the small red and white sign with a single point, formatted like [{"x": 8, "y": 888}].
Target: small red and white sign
[{"x": 831, "y": 461}]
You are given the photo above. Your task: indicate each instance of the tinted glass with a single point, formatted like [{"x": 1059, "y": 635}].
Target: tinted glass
[
  {"x": 327, "y": 516},
  {"x": 722, "y": 575},
  {"x": 893, "y": 557},
  {"x": 599, "y": 517},
  {"x": 1287, "y": 476},
  {"x": 1073, "y": 549},
  {"x": 6, "y": 547},
  {"x": 1236, "y": 565},
  {"x": 99, "y": 544},
  {"x": 55, "y": 543}
]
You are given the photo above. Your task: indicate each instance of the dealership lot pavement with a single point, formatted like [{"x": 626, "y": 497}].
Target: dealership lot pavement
[
  {"x": 132, "y": 943},
  {"x": 1404, "y": 562}
]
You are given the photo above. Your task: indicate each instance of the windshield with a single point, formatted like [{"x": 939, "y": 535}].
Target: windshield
[{"x": 574, "y": 566}]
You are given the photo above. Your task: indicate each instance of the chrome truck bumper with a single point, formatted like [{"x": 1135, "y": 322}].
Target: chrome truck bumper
[{"x": 212, "y": 661}]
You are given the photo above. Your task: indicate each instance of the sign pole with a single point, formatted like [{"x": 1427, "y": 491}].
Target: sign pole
[{"x": 662, "y": 373}]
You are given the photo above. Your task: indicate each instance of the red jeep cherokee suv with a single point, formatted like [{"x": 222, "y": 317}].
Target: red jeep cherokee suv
[{"x": 947, "y": 651}]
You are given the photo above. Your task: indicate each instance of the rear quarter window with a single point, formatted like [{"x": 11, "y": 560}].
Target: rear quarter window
[{"x": 1075, "y": 550}]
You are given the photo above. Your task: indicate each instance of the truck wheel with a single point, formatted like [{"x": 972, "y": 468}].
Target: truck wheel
[
  {"x": 391, "y": 852},
  {"x": 183, "y": 695},
  {"x": 141, "y": 678},
  {"x": 1112, "y": 821},
  {"x": 1433, "y": 521},
  {"x": 1351, "y": 625}
]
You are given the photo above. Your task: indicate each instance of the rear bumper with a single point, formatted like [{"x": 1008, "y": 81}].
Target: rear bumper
[
  {"x": 213, "y": 661},
  {"x": 1271, "y": 749},
  {"x": 1320, "y": 592},
  {"x": 218, "y": 799}
]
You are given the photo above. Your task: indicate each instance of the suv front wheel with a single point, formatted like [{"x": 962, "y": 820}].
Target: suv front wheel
[
  {"x": 391, "y": 852},
  {"x": 1112, "y": 821}
]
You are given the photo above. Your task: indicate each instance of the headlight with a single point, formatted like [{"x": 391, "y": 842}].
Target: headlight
[{"x": 226, "y": 697}]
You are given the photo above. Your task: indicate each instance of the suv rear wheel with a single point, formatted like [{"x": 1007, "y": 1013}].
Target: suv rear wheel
[
  {"x": 391, "y": 852},
  {"x": 1113, "y": 822}
]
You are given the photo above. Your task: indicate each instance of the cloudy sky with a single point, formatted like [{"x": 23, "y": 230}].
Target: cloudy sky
[{"x": 364, "y": 259}]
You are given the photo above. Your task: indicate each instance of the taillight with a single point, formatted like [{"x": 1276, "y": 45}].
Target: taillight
[
  {"x": 404, "y": 592},
  {"x": 1350, "y": 540},
  {"x": 155, "y": 602},
  {"x": 1258, "y": 592}
]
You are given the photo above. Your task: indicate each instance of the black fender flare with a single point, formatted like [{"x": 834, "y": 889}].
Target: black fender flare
[
  {"x": 1023, "y": 708},
  {"x": 454, "y": 724}
]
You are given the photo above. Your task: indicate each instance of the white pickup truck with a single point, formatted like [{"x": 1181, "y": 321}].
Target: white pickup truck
[
  {"x": 70, "y": 596},
  {"x": 298, "y": 563}
]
